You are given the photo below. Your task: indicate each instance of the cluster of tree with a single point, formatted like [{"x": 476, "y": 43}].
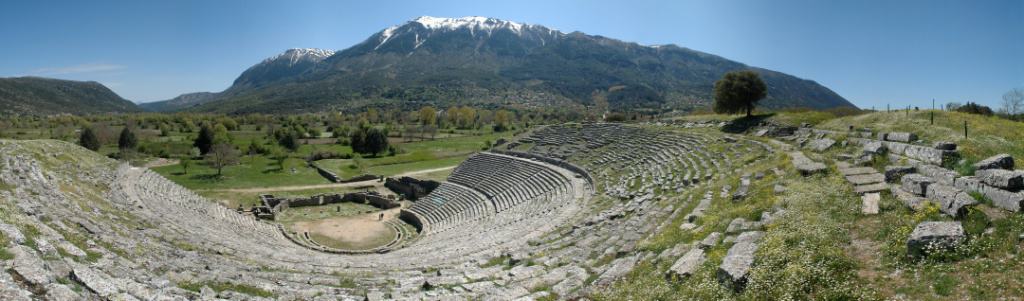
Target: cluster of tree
[
  {"x": 369, "y": 140},
  {"x": 971, "y": 108},
  {"x": 214, "y": 144}
]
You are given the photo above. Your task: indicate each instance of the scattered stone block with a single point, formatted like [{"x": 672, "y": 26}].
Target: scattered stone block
[
  {"x": 1000, "y": 161},
  {"x": 939, "y": 174},
  {"x": 710, "y": 241},
  {"x": 916, "y": 183},
  {"x": 10, "y": 291},
  {"x": 853, "y": 171},
  {"x": 875, "y": 148},
  {"x": 869, "y": 188},
  {"x": 870, "y": 203},
  {"x": 736, "y": 265},
  {"x": 909, "y": 199},
  {"x": 750, "y": 236},
  {"x": 820, "y": 145},
  {"x": 12, "y": 233},
  {"x": 60, "y": 292},
  {"x": 901, "y": 137},
  {"x": 618, "y": 268},
  {"x": 952, "y": 201},
  {"x": 894, "y": 173},
  {"x": 30, "y": 267},
  {"x": 929, "y": 237},
  {"x": 739, "y": 224},
  {"x": 945, "y": 145},
  {"x": 93, "y": 280},
  {"x": 863, "y": 179},
  {"x": 1001, "y": 178},
  {"x": 805, "y": 165},
  {"x": 686, "y": 265},
  {"x": 1009, "y": 200}
]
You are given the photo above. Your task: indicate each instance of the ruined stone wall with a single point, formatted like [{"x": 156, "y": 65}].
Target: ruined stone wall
[{"x": 411, "y": 188}]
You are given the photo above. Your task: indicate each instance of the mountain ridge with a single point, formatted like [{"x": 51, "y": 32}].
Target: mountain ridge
[
  {"x": 47, "y": 96},
  {"x": 493, "y": 62}
]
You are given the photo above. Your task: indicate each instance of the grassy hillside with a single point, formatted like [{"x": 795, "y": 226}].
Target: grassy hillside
[
  {"x": 825, "y": 249},
  {"x": 986, "y": 135},
  {"x": 45, "y": 96}
]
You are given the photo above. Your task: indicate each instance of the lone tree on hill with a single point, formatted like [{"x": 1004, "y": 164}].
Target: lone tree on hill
[
  {"x": 205, "y": 140},
  {"x": 739, "y": 91},
  {"x": 88, "y": 140},
  {"x": 127, "y": 140},
  {"x": 222, "y": 155}
]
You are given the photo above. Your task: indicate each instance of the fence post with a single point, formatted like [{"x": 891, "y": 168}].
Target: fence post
[
  {"x": 932, "y": 116},
  {"x": 965, "y": 129}
]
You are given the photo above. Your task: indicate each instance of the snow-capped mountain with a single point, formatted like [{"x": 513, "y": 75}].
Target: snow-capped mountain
[
  {"x": 478, "y": 60},
  {"x": 296, "y": 55},
  {"x": 433, "y": 31},
  {"x": 290, "y": 63}
]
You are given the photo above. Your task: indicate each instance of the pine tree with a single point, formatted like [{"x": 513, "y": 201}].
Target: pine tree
[
  {"x": 89, "y": 140},
  {"x": 127, "y": 140},
  {"x": 205, "y": 140}
]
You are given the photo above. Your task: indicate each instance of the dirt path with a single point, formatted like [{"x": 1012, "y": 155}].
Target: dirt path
[
  {"x": 324, "y": 186},
  {"x": 423, "y": 171},
  {"x": 161, "y": 162}
]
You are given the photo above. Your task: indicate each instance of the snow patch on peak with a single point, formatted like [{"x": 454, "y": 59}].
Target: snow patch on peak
[
  {"x": 474, "y": 23},
  {"x": 296, "y": 55},
  {"x": 386, "y": 35}
]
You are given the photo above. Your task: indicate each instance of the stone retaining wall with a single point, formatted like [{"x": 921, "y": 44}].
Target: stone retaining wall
[{"x": 411, "y": 188}]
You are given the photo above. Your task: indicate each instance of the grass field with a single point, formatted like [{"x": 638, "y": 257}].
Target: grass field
[
  {"x": 418, "y": 155},
  {"x": 262, "y": 171},
  {"x": 257, "y": 171}
]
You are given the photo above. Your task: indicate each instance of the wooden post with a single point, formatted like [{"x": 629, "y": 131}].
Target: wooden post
[
  {"x": 965, "y": 129},
  {"x": 932, "y": 115}
]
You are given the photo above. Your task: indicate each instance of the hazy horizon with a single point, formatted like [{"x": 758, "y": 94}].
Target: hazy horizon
[{"x": 872, "y": 53}]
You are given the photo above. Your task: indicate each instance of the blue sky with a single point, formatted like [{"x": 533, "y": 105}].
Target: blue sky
[{"x": 871, "y": 52}]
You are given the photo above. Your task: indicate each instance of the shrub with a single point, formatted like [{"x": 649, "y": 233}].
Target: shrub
[{"x": 974, "y": 108}]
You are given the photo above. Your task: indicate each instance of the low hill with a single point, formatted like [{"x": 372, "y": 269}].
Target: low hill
[
  {"x": 489, "y": 61},
  {"x": 45, "y": 96},
  {"x": 179, "y": 103}
]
